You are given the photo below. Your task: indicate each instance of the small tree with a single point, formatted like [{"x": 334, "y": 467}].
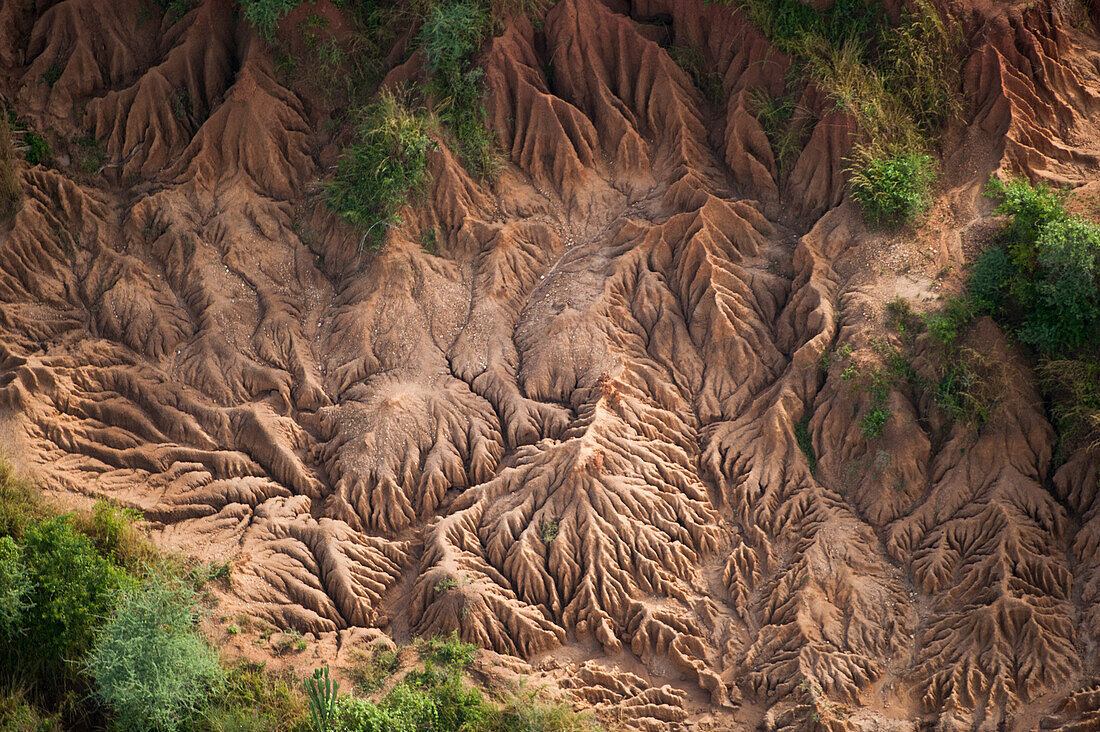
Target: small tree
[{"x": 150, "y": 666}]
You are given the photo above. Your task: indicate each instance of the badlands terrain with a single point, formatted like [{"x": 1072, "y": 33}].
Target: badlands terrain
[{"x": 640, "y": 406}]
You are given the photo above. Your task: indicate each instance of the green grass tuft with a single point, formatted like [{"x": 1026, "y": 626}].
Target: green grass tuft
[
  {"x": 386, "y": 164},
  {"x": 894, "y": 190}
]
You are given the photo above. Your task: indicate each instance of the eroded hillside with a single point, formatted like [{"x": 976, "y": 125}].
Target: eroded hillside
[{"x": 626, "y": 411}]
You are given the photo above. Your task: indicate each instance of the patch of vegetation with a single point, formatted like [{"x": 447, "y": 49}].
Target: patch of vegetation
[
  {"x": 548, "y": 530},
  {"x": 370, "y": 672},
  {"x": 874, "y": 422},
  {"x": 1073, "y": 387},
  {"x": 386, "y": 164},
  {"x": 805, "y": 442},
  {"x": 694, "y": 63},
  {"x": 894, "y": 190},
  {"x": 776, "y": 116},
  {"x": 150, "y": 666},
  {"x": 1043, "y": 280},
  {"x": 88, "y": 155},
  {"x": 452, "y": 35},
  {"x": 255, "y": 698},
  {"x": 51, "y": 75},
  {"x": 967, "y": 390},
  {"x": 11, "y": 192},
  {"x": 264, "y": 15},
  {"x": 899, "y": 82},
  {"x": 438, "y": 696}
]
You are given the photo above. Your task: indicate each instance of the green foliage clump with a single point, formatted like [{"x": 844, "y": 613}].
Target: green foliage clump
[
  {"x": 451, "y": 37},
  {"x": 437, "y": 696},
  {"x": 805, "y": 442},
  {"x": 72, "y": 588},
  {"x": 387, "y": 162},
  {"x": 264, "y": 15},
  {"x": 1074, "y": 388},
  {"x": 898, "y": 82},
  {"x": 149, "y": 664},
  {"x": 89, "y": 155},
  {"x": 112, "y": 529},
  {"x": 255, "y": 698},
  {"x": 894, "y": 190},
  {"x": 15, "y": 585},
  {"x": 693, "y": 62},
  {"x": 874, "y": 422},
  {"x": 11, "y": 192},
  {"x": 947, "y": 325},
  {"x": 1043, "y": 280}
]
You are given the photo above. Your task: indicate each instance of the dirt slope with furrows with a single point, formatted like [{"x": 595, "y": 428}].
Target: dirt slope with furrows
[{"x": 570, "y": 434}]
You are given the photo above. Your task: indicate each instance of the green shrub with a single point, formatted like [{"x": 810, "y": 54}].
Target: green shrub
[
  {"x": 111, "y": 528},
  {"x": 20, "y": 506},
  {"x": 89, "y": 155},
  {"x": 11, "y": 192},
  {"x": 255, "y": 698},
  {"x": 72, "y": 588},
  {"x": 1030, "y": 208},
  {"x": 451, "y": 37},
  {"x": 990, "y": 280},
  {"x": 15, "y": 585},
  {"x": 264, "y": 15},
  {"x": 894, "y": 190},
  {"x": 149, "y": 663},
  {"x": 38, "y": 150},
  {"x": 1045, "y": 281},
  {"x": 448, "y": 653},
  {"x": 1064, "y": 297},
  {"x": 874, "y": 422},
  {"x": 1073, "y": 386},
  {"x": 945, "y": 326},
  {"x": 377, "y": 173},
  {"x": 805, "y": 442},
  {"x": 452, "y": 34}
]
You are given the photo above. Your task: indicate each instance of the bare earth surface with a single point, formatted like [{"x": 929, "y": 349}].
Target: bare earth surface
[{"x": 569, "y": 434}]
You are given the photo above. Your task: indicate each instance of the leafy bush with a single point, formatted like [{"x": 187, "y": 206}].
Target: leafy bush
[
  {"x": 947, "y": 325},
  {"x": 111, "y": 528},
  {"x": 894, "y": 190},
  {"x": 15, "y": 585},
  {"x": 874, "y": 422},
  {"x": 10, "y": 190},
  {"x": 72, "y": 588},
  {"x": 451, "y": 36},
  {"x": 1064, "y": 297},
  {"x": 255, "y": 698},
  {"x": 264, "y": 15},
  {"x": 1074, "y": 387},
  {"x": 990, "y": 279},
  {"x": 805, "y": 441},
  {"x": 1045, "y": 280},
  {"x": 150, "y": 665},
  {"x": 378, "y": 172}
]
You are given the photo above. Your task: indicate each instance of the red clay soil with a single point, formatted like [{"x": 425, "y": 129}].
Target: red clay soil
[{"x": 569, "y": 433}]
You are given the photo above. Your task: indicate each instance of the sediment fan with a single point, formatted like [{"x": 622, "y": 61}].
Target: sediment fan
[{"x": 571, "y": 434}]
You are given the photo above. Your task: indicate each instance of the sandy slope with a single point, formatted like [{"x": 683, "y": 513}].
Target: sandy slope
[{"x": 570, "y": 435}]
